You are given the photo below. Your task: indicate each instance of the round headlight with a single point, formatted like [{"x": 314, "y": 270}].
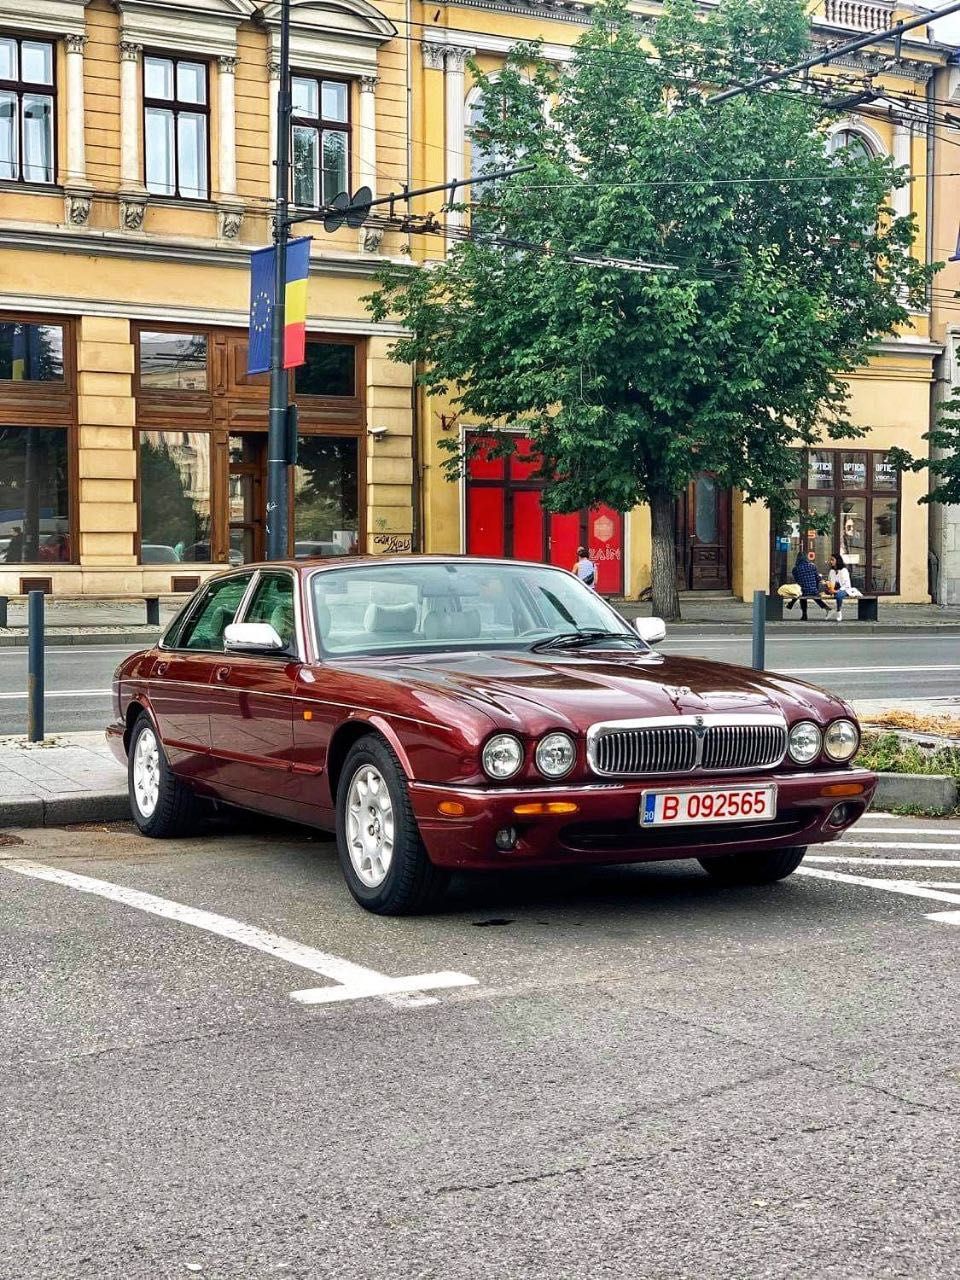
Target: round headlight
[
  {"x": 502, "y": 756},
  {"x": 805, "y": 742},
  {"x": 841, "y": 740},
  {"x": 555, "y": 755}
]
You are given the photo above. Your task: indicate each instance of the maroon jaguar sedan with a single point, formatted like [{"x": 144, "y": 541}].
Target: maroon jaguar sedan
[{"x": 444, "y": 713}]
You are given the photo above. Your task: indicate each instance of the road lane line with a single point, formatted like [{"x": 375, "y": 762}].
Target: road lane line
[
  {"x": 832, "y": 671},
  {"x": 901, "y": 831},
  {"x": 62, "y": 693},
  {"x": 896, "y": 844},
  {"x": 887, "y": 862},
  {"x": 907, "y": 887},
  {"x": 355, "y": 981}
]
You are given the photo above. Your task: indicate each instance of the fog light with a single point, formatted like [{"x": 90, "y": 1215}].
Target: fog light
[
  {"x": 506, "y": 839},
  {"x": 841, "y": 815}
]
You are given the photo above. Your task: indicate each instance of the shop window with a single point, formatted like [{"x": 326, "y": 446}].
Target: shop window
[
  {"x": 174, "y": 497},
  {"x": 330, "y": 370},
  {"x": 326, "y": 505},
  {"x": 34, "y": 510},
  {"x": 320, "y": 139},
  {"x": 30, "y": 352},
  {"x": 27, "y": 110},
  {"x": 855, "y": 494},
  {"x": 175, "y": 127},
  {"x": 171, "y": 361}
]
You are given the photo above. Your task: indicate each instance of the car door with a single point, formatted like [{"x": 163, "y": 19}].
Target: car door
[
  {"x": 178, "y": 685},
  {"x": 252, "y": 700}
]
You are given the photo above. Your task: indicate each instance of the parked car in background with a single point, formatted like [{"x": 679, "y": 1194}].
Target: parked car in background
[
  {"x": 321, "y": 550},
  {"x": 157, "y": 553},
  {"x": 441, "y": 714}
]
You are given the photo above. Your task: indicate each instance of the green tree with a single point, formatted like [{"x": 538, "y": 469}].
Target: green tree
[
  {"x": 169, "y": 514},
  {"x": 944, "y": 460},
  {"x": 784, "y": 266}
]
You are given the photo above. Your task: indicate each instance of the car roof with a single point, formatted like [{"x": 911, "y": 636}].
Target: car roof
[{"x": 332, "y": 563}]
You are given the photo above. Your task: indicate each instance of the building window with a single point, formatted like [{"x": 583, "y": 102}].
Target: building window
[
  {"x": 849, "y": 140},
  {"x": 321, "y": 140},
  {"x": 34, "y": 510},
  {"x": 27, "y": 103},
  {"x": 330, "y": 370},
  {"x": 174, "y": 497},
  {"x": 30, "y": 352},
  {"x": 175, "y": 127},
  {"x": 173, "y": 361},
  {"x": 856, "y": 493},
  {"x": 326, "y": 505}
]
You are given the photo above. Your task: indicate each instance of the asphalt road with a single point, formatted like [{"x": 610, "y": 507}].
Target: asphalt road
[
  {"x": 908, "y": 665},
  {"x": 648, "y": 1076}
]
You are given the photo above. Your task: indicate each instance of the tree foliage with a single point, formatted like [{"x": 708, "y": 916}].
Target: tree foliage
[{"x": 783, "y": 266}]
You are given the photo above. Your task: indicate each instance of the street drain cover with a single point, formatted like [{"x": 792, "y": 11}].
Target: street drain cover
[{"x": 486, "y": 924}]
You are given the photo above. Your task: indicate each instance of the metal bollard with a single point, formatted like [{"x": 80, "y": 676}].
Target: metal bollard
[
  {"x": 759, "y": 629},
  {"x": 153, "y": 611},
  {"x": 35, "y": 657},
  {"x": 4, "y": 601}
]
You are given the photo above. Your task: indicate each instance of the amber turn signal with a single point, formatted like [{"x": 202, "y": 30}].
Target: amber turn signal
[
  {"x": 308, "y": 715},
  {"x": 452, "y": 808},
  {"x": 536, "y": 808},
  {"x": 843, "y": 789}
]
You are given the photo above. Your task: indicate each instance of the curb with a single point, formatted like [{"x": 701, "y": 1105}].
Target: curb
[
  {"x": 53, "y": 638},
  {"x": 934, "y": 791},
  {"x": 58, "y": 811}
]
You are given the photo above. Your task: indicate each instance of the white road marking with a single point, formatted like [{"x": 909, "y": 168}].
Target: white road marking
[
  {"x": 833, "y": 671},
  {"x": 907, "y": 887},
  {"x": 355, "y": 981},
  {"x": 901, "y": 831},
  {"x": 896, "y": 844},
  {"x": 63, "y": 693},
  {"x": 888, "y": 862}
]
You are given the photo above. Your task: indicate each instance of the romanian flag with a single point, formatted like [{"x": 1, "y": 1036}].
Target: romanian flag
[
  {"x": 263, "y": 270},
  {"x": 295, "y": 299}
]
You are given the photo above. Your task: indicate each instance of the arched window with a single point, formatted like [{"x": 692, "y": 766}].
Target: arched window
[
  {"x": 484, "y": 154},
  {"x": 852, "y": 141}
]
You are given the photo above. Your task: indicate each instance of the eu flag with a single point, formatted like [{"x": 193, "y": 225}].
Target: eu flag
[{"x": 262, "y": 271}]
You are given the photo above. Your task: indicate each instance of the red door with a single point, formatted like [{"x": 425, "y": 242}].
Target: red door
[{"x": 505, "y": 517}]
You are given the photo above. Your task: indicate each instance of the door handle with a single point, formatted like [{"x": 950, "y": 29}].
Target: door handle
[{"x": 221, "y": 673}]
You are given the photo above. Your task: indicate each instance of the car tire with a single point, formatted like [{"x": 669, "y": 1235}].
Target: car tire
[
  {"x": 383, "y": 858},
  {"x": 753, "y": 868},
  {"x": 161, "y": 805}
]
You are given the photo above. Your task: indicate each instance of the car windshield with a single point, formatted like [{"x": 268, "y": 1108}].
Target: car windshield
[{"x": 468, "y": 604}]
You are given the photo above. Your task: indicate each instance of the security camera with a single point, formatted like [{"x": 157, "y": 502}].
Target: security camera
[{"x": 378, "y": 432}]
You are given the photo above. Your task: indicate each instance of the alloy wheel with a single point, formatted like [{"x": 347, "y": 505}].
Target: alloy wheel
[
  {"x": 146, "y": 772},
  {"x": 370, "y": 826}
]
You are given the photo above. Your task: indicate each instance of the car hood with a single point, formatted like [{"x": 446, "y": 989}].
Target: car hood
[{"x": 530, "y": 692}]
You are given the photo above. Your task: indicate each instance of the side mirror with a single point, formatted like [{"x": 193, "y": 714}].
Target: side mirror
[
  {"x": 252, "y": 637},
  {"x": 653, "y": 630}
]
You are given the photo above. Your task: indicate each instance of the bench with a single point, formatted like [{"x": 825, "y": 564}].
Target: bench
[{"x": 866, "y": 607}]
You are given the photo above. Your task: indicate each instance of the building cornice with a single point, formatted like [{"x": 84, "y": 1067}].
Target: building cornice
[
  {"x": 106, "y": 244},
  {"x": 161, "y": 312}
]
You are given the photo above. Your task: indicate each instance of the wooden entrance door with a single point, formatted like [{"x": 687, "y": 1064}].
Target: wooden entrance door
[
  {"x": 247, "y": 485},
  {"x": 703, "y": 535}
]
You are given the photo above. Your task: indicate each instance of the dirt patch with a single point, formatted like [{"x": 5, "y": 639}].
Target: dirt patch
[
  {"x": 945, "y": 726},
  {"x": 111, "y": 828},
  {"x": 7, "y": 840}
]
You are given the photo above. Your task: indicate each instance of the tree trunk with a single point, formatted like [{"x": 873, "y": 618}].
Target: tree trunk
[{"x": 663, "y": 561}]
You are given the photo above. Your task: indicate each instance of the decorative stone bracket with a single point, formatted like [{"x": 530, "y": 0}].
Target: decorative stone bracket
[
  {"x": 229, "y": 221},
  {"x": 77, "y": 201},
  {"x": 132, "y": 210}
]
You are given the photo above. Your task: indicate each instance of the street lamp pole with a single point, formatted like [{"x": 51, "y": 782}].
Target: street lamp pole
[{"x": 277, "y": 446}]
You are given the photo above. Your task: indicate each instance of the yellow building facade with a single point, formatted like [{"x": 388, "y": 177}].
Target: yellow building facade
[
  {"x": 136, "y": 145},
  {"x": 723, "y": 544}
]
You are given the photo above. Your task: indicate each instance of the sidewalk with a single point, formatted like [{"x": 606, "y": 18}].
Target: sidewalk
[
  {"x": 69, "y": 622},
  {"x": 73, "y": 777}
]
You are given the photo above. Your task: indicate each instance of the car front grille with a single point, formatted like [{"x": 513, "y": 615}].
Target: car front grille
[{"x": 686, "y": 744}]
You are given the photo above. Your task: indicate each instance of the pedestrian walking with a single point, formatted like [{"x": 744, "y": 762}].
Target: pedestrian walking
[
  {"x": 585, "y": 569},
  {"x": 808, "y": 578},
  {"x": 839, "y": 584}
]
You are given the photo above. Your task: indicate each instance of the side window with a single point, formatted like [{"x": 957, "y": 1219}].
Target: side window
[
  {"x": 273, "y": 602},
  {"x": 217, "y": 610}
]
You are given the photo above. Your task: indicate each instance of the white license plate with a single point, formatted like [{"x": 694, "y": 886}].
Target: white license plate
[{"x": 686, "y": 806}]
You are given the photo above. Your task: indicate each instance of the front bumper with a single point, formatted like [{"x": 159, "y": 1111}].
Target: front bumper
[{"x": 606, "y": 828}]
